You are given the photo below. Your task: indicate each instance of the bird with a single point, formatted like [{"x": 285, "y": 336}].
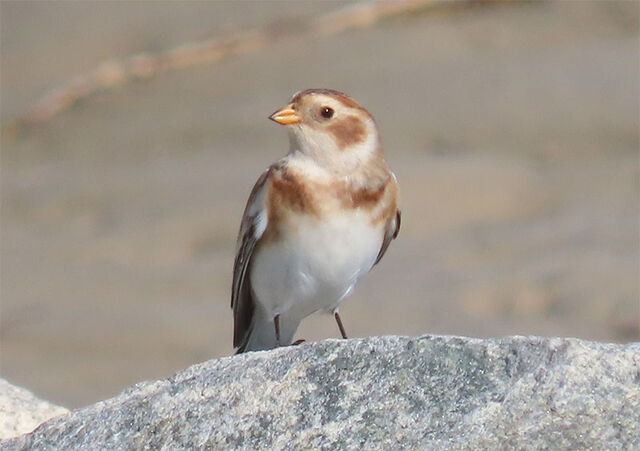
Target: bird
[{"x": 315, "y": 222}]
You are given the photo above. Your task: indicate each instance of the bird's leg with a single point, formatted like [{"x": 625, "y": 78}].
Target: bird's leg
[
  {"x": 340, "y": 326},
  {"x": 276, "y": 323}
]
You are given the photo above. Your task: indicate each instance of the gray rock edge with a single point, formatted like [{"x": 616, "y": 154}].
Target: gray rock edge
[{"x": 428, "y": 392}]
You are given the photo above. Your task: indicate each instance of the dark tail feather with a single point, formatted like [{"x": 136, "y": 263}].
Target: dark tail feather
[{"x": 243, "y": 316}]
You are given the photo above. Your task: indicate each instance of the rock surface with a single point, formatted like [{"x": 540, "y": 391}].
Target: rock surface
[
  {"x": 21, "y": 411},
  {"x": 430, "y": 392}
]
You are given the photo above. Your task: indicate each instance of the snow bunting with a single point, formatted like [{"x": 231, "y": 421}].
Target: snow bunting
[{"x": 316, "y": 221}]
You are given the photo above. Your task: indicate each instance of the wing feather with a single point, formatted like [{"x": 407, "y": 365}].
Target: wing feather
[
  {"x": 393, "y": 228},
  {"x": 254, "y": 222}
]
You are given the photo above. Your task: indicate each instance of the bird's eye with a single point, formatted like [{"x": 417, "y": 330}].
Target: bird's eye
[{"x": 327, "y": 112}]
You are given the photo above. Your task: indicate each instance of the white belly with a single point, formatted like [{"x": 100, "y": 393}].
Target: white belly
[{"x": 314, "y": 264}]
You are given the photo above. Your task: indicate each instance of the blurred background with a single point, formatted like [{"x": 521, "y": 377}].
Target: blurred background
[{"x": 513, "y": 129}]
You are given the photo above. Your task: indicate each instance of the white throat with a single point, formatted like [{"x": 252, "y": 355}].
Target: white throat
[{"x": 321, "y": 148}]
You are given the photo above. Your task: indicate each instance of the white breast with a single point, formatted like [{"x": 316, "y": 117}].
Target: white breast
[{"x": 315, "y": 264}]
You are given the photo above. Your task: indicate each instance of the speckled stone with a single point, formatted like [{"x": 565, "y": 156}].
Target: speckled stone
[
  {"x": 21, "y": 411},
  {"x": 430, "y": 392}
]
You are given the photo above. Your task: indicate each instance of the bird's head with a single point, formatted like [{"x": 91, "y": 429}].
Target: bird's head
[{"x": 330, "y": 127}]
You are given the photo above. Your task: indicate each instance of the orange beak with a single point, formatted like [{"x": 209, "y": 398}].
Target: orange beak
[{"x": 285, "y": 115}]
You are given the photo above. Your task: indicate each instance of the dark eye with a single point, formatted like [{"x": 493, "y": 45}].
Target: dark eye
[{"x": 326, "y": 112}]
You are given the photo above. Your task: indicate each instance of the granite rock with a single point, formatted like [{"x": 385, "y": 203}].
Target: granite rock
[
  {"x": 430, "y": 392},
  {"x": 21, "y": 411}
]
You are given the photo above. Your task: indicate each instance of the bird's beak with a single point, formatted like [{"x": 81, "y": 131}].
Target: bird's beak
[{"x": 285, "y": 115}]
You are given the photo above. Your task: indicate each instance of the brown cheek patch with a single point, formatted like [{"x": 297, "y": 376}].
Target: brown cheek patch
[{"x": 347, "y": 132}]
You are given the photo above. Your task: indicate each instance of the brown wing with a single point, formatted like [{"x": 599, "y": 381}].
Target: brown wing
[
  {"x": 393, "y": 228},
  {"x": 251, "y": 229}
]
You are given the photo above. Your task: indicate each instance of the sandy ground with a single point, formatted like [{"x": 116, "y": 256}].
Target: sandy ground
[{"x": 513, "y": 131}]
